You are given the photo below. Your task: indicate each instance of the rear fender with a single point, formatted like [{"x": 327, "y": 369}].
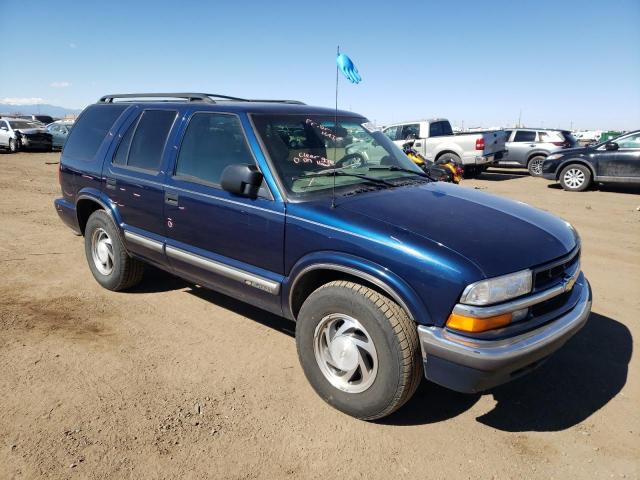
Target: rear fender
[{"x": 95, "y": 195}]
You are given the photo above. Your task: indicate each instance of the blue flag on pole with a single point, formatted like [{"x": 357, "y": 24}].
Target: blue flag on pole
[{"x": 347, "y": 67}]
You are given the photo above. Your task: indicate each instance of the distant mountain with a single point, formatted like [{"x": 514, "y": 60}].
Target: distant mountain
[{"x": 40, "y": 109}]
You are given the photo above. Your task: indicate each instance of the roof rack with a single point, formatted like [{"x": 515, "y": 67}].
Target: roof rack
[{"x": 190, "y": 97}]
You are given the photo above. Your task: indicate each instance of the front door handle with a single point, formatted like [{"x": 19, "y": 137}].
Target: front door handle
[{"x": 171, "y": 198}]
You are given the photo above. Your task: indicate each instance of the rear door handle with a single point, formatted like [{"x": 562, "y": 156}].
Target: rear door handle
[
  {"x": 171, "y": 198},
  {"x": 111, "y": 183}
]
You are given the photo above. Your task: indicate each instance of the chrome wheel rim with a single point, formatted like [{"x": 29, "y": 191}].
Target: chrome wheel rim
[
  {"x": 102, "y": 251},
  {"x": 574, "y": 178},
  {"x": 345, "y": 353},
  {"x": 536, "y": 166}
]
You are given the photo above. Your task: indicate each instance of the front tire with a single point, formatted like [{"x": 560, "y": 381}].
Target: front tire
[
  {"x": 358, "y": 349},
  {"x": 535, "y": 165},
  {"x": 575, "y": 178},
  {"x": 13, "y": 145},
  {"x": 110, "y": 264}
]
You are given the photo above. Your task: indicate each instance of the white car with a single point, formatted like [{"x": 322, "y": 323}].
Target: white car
[{"x": 17, "y": 134}]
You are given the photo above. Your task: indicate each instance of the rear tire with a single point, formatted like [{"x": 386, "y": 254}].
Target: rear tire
[
  {"x": 358, "y": 349},
  {"x": 110, "y": 264},
  {"x": 575, "y": 178},
  {"x": 535, "y": 165}
]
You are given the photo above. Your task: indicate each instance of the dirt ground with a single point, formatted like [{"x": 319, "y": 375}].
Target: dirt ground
[{"x": 171, "y": 380}]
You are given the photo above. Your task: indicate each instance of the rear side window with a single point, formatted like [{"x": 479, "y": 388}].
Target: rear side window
[
  {"x": 440, "y": 129},
  {"x": 211, "y": 143},
  {"x": 143, "y": 143},
  {"x": 525, "y": 136},
  {"x": 90, "y": 130}
]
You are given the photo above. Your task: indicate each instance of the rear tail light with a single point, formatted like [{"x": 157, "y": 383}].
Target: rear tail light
[{"x": 480, "y": 144}]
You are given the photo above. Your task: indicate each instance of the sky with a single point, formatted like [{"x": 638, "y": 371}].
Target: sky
[{"x": 569, "y": 64}]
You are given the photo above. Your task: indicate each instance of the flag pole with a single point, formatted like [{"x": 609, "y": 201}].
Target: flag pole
[{"x": 335, "y": 146}]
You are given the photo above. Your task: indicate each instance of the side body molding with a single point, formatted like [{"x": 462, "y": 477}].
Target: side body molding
[{"x": 370, "y": 272}]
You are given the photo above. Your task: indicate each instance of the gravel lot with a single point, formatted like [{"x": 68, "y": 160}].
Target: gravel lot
[{"x": 172, "y": 380}]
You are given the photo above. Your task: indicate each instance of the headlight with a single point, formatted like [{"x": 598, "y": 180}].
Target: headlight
[
  {"x": 498, "y": 289},
  {"x": 554, "y": 156}
]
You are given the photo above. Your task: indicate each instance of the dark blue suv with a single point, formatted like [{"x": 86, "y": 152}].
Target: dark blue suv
[{"x": 387, "y": 273}]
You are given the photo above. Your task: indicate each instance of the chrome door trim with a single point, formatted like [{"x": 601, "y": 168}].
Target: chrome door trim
[
  {"x": 143, "y": 241},
  {"x": 227, "y": 271}
]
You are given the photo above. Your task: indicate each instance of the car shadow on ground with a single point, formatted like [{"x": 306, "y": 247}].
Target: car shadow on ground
[
  {"x": 577, "y": 381},
  {"x": 628, "y": 189},
  {"x": 499, "y": 175},
  {"x": 157, "y": 281},
  {"x": 574, "y": 383}
]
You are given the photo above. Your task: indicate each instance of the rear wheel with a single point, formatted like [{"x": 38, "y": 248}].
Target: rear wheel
[
  {"x": 358, "y": 349},
  {"x": 575, "y": 178},
  {"x": 535, "y": 165},
  {"x": 109, "y": 261}
]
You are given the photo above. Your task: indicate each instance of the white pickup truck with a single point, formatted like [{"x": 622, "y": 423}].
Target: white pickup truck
[{"x": 435, "y": 140}]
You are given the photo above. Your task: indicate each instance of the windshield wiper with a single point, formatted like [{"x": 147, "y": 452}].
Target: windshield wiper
[
  {"x": 342, "y": 173},
  {"x": 394, "y": 168}
]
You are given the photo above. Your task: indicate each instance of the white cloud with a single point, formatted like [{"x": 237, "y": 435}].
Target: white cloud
[
  {"x": 60, "y": 84},
  {"x": 73, "y": 45},
  {"x": 22, "y": 101}
]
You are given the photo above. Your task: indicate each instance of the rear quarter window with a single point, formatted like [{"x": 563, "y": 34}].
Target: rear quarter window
[{"x": 90, "y": 130}]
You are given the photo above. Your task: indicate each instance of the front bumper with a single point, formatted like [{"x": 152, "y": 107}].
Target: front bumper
[{"x": 471, "y": 365}]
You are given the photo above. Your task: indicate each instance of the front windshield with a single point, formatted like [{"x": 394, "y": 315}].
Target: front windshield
[
  {"x": 302, "y": 147},
  {"x": 15, "y": 124}
]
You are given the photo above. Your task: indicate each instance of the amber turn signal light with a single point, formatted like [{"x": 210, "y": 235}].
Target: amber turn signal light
[{"x": 473, "y": 325}]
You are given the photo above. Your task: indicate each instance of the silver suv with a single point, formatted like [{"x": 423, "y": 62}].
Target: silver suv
[{"x": 529, "y": 147}]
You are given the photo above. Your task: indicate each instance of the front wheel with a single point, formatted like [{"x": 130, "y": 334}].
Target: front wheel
[
  {"x": 535, "y": 165},
  {"x": 108, "y": 259},
  {"x": 358, "y": 349},
  {"x": 575, "y": 178},
  {"x": 14, "y": 146}
]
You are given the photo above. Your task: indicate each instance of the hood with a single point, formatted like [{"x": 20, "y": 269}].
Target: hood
[
  {"x": 573, "y": 151},
  {"x": 497, "y": 235},
  {"x": 31, "y": 131}
]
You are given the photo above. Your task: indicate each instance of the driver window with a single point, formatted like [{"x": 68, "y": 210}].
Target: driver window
[
  {"x": 632, "y": 141},
  {"x": 211, "y": 143},
  {"x": 391, "y": 132},
  {"x": 410, "y": 131}
]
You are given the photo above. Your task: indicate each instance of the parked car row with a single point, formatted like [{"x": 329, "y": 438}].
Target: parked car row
[
  {"x": 29, "y": 133},
  {"x": 550, "y": 153}
]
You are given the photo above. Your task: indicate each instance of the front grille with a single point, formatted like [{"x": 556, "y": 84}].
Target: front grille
[{"x": 552, "y": 274}]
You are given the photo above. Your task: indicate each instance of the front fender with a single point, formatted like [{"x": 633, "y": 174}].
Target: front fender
[{"x": 371, "y": 272}]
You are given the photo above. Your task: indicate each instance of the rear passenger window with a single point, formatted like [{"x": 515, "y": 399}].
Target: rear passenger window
[
  {"x": 120, "y": 158},
  {"x": 212, "y": 142},
  {"x": 525, "y": 136},
  {"x": 147, "y": 144},
  {"x": 90, "y": 130}
]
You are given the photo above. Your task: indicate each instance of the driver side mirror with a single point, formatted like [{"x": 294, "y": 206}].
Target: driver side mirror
[
  {"x": 3, "y": 127},
  {"x": 611, "y": 146},
  {"x": 243, "y": 180}
]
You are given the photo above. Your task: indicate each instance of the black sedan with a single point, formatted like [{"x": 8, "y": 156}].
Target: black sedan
[{"x": 614, "y": 161}]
